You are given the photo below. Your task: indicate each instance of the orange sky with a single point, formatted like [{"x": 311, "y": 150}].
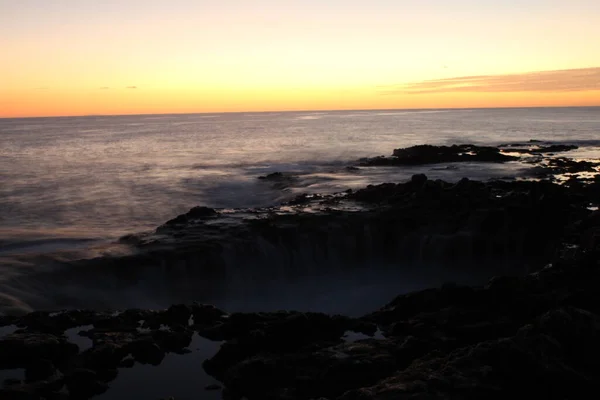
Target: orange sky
[{"x": 79, "y": 57}]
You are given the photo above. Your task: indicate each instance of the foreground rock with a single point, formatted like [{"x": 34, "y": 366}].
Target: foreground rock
[
  {"x": 535, "y": 335},
  {"x": 531, "y": 336}
]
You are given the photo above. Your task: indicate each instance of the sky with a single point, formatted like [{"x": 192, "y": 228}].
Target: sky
[{"x": 90, "y": 57}]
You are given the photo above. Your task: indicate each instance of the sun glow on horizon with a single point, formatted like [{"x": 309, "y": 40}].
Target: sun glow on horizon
[{"x": 82, "y": 58}]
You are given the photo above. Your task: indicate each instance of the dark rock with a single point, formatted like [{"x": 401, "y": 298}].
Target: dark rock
[
  {"x": 213, "y": 387},
  {"x": 534, "y": 148},
  {"x": 419, "y": 179},
  {"x": 172, "y": 341},
  {"x": 196, "y": 213},
  {"x": 328, "y": 371},
  {"x": 145, "y": 351},
  {"x": 127, "y": 363},
  {"x": 303, "y": 198},
  {"x": 563, "y": 165},
  {"x": 279, "y": 180},
  {"x": 39, "y": 370},
  {"x": 555, "y": 148},
  {"x": 177, "y": 315},
  {"x": 522, "y": 365},
  {"x": 273, "y": 176},
  {"x": 85, "y": 383},
  {"x": 16, "y": 393},
  {"x": 106, "y": 354},
  {"x": 20, "y": 349},
  {"x": 206, "y": 314},
  {"x": 428, "y": 154}
]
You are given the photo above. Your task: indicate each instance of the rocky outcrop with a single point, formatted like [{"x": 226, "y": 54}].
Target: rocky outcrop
[
  {"x": 537, "y": 147},
  {"x": 428, "y": 154},
  {"x": 196, "y": 213},
  {"x": 512, "y": 337},
  {"x": 279, "y": 180},
  {"x": 540, "y": 157}
]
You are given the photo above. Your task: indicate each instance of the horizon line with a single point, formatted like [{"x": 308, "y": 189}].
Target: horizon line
[{"x": 297, "y": 111}]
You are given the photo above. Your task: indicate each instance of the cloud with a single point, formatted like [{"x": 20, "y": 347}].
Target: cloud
[
  {"x": 104, "y": 88},
  {"x": 131, "y": 87},
  {"x": 568, "y": 80}
]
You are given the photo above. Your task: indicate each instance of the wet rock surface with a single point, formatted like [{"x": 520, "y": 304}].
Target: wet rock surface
[
  {"x": 546, "y": 157},
  {"x": 533, "y": 332},
  {"x": 279, "y": 180},
  {"x": 429, "y": 154}
]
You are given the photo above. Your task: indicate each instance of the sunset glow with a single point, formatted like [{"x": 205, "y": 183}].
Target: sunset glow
[{"x": 83, "y": 57}]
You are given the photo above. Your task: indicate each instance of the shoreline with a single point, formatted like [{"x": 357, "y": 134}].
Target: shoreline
[{"x": 532, "y": 329}]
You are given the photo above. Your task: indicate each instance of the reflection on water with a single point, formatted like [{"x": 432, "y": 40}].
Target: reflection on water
[{"x": 177, "y": 376}]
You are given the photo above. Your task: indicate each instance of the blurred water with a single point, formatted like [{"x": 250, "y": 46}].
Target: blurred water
[{"x": 86, "y": 178}]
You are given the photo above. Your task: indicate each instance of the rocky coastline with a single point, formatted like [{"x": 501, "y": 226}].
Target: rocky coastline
[{"x": 531, "y": 331}]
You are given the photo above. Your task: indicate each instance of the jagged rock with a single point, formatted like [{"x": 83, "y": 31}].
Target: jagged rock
[
  {"x": 172, "y": 341},
  {"x": 273, "y": 176},
  {"x": 419, "y": 179},
  {"x": 428, "y": 154},
  {"x": 196, "y": 213},
  {"x": 565, "y": 165},
  {"x": 279, "y": 180},
  {"x": 556, "y": 357},
  {"x": 303, "y": 375},
  {"x": 206, "y": 314},
  {"x": 20, "y": 349},
  {"x": 535, "y": 148},
  {"x": 84, "y": 383},
  {"x": 177, "y": 315},
  {"x": 38, "y": 370},
  {"x": 146, "y": 352}
]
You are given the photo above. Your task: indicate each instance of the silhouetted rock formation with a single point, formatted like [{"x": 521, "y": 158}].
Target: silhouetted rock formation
[{"x": 428, "y": 154}]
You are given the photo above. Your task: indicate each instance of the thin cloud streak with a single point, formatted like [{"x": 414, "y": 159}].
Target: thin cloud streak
[
  {"x": 568, "y": 80},
  {"x": 131, "y": 87}
]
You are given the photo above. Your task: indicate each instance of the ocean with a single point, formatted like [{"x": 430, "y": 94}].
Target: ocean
[{"x": 71, "y": 186}]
